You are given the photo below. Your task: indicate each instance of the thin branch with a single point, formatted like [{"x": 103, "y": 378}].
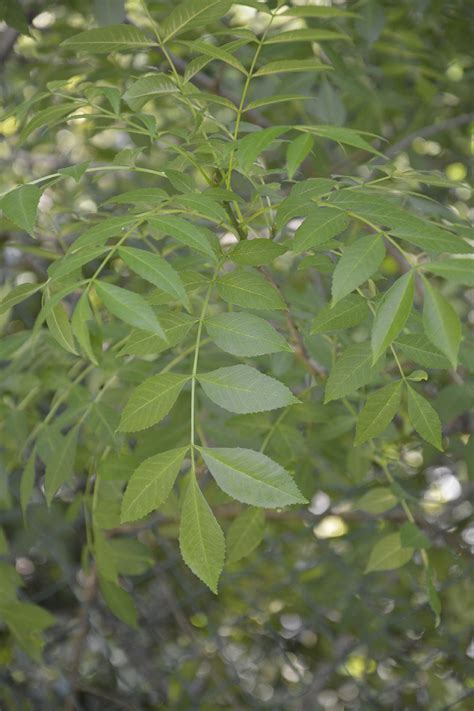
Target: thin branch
[{"x": 430, "y": 130}]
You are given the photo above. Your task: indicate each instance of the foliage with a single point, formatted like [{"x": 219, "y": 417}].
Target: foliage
[{"x": 238, "y": 300}]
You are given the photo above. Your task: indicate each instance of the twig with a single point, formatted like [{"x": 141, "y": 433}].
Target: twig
[
  {"x": 430, "y": 130},
  {"x": 90, "y": 591}
]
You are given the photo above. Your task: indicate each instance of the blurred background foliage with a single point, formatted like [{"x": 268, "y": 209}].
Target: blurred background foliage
[{"x": 296, "y": 625}]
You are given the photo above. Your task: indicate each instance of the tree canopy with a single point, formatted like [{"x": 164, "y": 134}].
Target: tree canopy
[{"x": 236, "y": 319}]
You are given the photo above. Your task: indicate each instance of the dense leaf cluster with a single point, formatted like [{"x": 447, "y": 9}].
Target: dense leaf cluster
[{"x": 232, "y": 285}]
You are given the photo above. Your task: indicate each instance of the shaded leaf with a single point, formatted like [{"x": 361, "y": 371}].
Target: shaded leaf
[
  {"x": 352, "y": 370},
  {"x": 129, "y": 307},
  {"x": 17, "y": 295},
  {"x": 378, "y": 412},
  {"x": 424, "y": 418},
  {"x": 377, "y": 500},
  {"x": 460, "y": 271},
  {"x": 60, "y": 465},
  {"x": 297, "y": 151},
  {"x": 388, "y": 554},
  {"x": 245, "y": 534}
]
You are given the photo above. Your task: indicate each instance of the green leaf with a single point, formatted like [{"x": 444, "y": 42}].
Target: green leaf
[
  {"x": 321, "y": 262},
  {"x": 418, "y": 348},
  {"x": 298, "y": 203},
  {"x": 191, "y": 14},
  {"x": 351, "y": 371},
  {"x": 219, "y": 53},
  {"x": 378, "y": 412},
  {"x": 75, "y": 171},
  {"x": 418, "y": 375},
  {"x": 27, "y": 482},
  {"x": 441, "y": 323},
  {"x": 245, "y": 534},
  {"x": 148, "y": 196},
  {"x": 377, "y": 500},
  {"x": 424, "y": 418},
  {"x": 17, "y": 295},
  {"x": 251, "y": 477},
  {"x": 319, "y": 11},
  {"x": 176, "y": 327},
  {"x": 200, "y": 537},
  {"x": 194, "y": 237},
  {"x": 149, "y": 87},
  {"x": 369, "y": 206},
  {"x": 388, "y": 554},
  {"x": 73, "y": 261},
  {"x": 255, "y": 252},
  {"x": 345, "y": 136},
  {"x": 151, "y": 401},
  {"x": 297, "y": 151},
  {"x": 9, "y": 345},
  {"x": 79, "y": 322},
  {"x": 244, "y": 334},
  {"x": 202, "y": 204},
  {"x": 292, "y": 65},
  {"x": 60, "y": 328},
  {"x": 100, "y": 233},
  {"x": 348, "y": 312},
  {"x": 275, "y": 99},
  {"x": 305, "y": 35},
  {"x": 26, "y": 623},
  {"x": 243, "y": 389},
  {"x": 412, "y": 537},
  {"x": 392, "y": 313},
  {"x": 249, "y": 290},
  {"x": 359, "y": 261},
  {"x": 129, "y": 307},
  {"x": 118, "y": 601},
  {"x": 60, "y": 465},
  {"x": 460, "y": 271},
  {"x": 319, "y": 227},
  {"x": 151, "y": 484},
  {"x": 114, "y": 38},
  {"x": 20, "y": 206},
  {"x": 48, "y": 117},
  {"x": 250, "y": 147},
  {"x": 12, "y": 13},
  {"x": 156, "y": 270}
]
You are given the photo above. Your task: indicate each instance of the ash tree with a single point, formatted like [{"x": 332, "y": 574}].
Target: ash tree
[{"x": 243, "y": 295}]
